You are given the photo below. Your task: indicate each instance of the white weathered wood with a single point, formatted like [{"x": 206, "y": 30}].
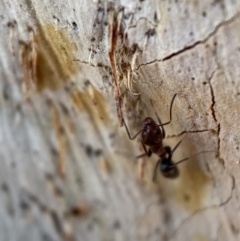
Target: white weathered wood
[{"x": 61, "y": 143}]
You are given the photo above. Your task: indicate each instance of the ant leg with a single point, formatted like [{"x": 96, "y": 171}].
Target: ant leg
[
  {"x": 169, "y": 151},
  {"x": 143, "y": 162},
  {"x": 155, "y": 170},
  {"x": 159, "y": 120},
  {"x": 170, "y": 113},
  {"x": 147, "y": 152},
  {"x": 131, "y": 137},
  {"x": 174, "y": 149},
  {"x": 171, "y": 105}
]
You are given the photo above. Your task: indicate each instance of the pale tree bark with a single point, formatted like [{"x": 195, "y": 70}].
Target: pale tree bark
[{"x": 70, "y": 70}]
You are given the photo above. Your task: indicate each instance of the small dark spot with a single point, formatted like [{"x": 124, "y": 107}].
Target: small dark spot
[
  {"x": 204, "y": 83},
  {"x": 141, "y": 0},
  {"x": 111, "y": 135},
  {"x": 13, "y": 164},
  {"x": 237, "y": 148},
  {"x": 234, "y": 229},
  {"x": 96, "y": 220},
  {"x": 10, "y": 24},
  {"x": 75, "y": 26},
  {"x": 169, "y": 9},
  {"x": 176, "y": 1},
  {"x": 24, "y": 205},
  {"x": 87, "y": 83},
  {"x": 155, "y": 17},
  {"x": 79, "y": 210},
  {"x": 215, "y": 43},
  {"x": 56, "y": 221},
  {"x": 116, "y": 225},
  {"x": 18, "y": 107},
  {"x": 186, "y": 197},
  {"x": 165, "y": 30},
  {"x": 30, "y": 29},
  {"x": 189, "y": 69},
  {"x": 126, "y": 36},
  {"x": 67, "y": 88},
  {"x": 204, "y": 14},
  {"x": 88, "y": 150},
  {"x": 93, "y": 39},
  {"x": 54, "y": 151},
  {"x": 98, "y": 152},
  {"x": 167, "y": 217},
  {"x": 151, "y": 32},
  {"x": 139, "y": 8},
  {"x": 126, "y": 16},
  {"x": 238, "y": 93},
  {"x": 157, "y": 230},
  {"x": 5, "y": 94},
  {"x": 192, "y": 78},
  {"x": 191, "y": 33},
  {"x": 73, "y": 9},
  {"x": 46, "y": 237},
  {"x": 49, "y": 176},
  {"x": 90, "y": 227},
  {"x": 5, "y": 187},
  {"x": 58, "y": 20},
  {"x": 100, "y": 9}
]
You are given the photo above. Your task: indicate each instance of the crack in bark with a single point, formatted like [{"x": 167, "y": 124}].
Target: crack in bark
[
  {"x": 212, "y": 95},
  {"x": 193, "y": 45},
  {"x": 206, "y": 208}
]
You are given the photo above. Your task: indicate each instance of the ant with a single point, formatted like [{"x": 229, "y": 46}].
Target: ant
[{"x": 152, "y": 136}]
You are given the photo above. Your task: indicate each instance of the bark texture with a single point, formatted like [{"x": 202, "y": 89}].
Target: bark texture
[{"x": 69, "y": 72}]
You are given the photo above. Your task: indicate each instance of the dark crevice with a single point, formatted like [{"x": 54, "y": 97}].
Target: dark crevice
[
  {"x": 212, "y": 95},
  {"x": 193, "y": 45}
]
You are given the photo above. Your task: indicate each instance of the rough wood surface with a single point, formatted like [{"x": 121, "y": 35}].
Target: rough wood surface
[{"x": 68, "y": 170}]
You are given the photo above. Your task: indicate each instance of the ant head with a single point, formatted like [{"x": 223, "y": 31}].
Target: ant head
[
  {"x": 151, "y": 133},
  {"x": 149, "y": 121},
  {"x": 168, "y": 169}
]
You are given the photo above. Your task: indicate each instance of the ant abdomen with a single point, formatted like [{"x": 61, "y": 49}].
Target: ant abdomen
[{"x": 168, "y": 169}]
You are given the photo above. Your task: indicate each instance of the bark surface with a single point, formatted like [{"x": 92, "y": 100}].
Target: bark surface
[{"x": 70, "y": 71}]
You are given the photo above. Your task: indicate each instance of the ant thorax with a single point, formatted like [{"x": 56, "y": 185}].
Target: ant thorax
[{"x": 151, "y": 133}]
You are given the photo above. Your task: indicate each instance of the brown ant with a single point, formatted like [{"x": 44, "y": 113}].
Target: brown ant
[{"x": 152, "y": 136}]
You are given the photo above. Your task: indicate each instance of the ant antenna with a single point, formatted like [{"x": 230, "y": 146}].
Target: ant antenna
[
  {"x": 185, "y": 159},
  {"x": 166, "y": 123},
  {"x": 131, "y": 137},
  {"x": 159, "y": 120}
]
